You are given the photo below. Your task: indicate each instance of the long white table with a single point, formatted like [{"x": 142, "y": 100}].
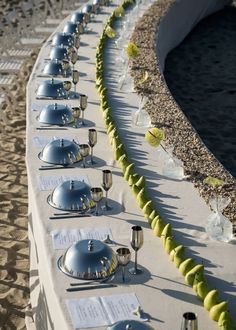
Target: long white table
[{"x": 160, "y": 290}]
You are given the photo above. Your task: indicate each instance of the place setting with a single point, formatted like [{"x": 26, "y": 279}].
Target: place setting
[
  {"x": 75, "y": 198},
  {"x": 102, "y": 263}
]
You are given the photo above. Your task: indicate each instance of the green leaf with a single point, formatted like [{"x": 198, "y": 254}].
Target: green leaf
[
  {"x": 214, "y": 182},
  {"x": 132, "y": 50}
]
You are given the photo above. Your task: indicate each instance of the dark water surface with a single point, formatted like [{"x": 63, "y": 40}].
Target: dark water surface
[{"x": 201, "y": 75}]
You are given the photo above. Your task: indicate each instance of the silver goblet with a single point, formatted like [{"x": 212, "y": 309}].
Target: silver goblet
[
  {"x": 67, "y": 86},
  {"x": 84, "y": 151},
  {"x": 77, "y": 42},
  {"x": 73, "y": 58},
  {"x": 106, "y": 184},
  {"x": 65, "y": 66},
  {"x": 76, "y": 114},
  {"x": 123, "y": 256},
  {"x": 92, "y": 141},
  {"x": 83, "y": 105},
  {"x": 189, "y": 321},
  {"x": 75, "y": 79},
  {"x": 136, "y": 241},
  {"x": 96, "y": 194}
]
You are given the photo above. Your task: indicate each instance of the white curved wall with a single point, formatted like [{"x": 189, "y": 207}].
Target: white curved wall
[{"x": 179, "y": 21}]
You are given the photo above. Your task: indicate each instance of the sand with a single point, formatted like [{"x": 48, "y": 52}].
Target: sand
[{"x": 14, "y": 249}]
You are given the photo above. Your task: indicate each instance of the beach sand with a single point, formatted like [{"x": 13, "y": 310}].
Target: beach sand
[{"x": 14, "y": 249}]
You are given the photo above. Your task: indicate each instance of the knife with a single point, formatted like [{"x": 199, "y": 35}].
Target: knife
[
  {"x": 91, "y": 287},
  {"x": 69, "y": 216}
]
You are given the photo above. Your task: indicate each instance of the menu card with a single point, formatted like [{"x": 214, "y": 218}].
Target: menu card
[
  {"x": 100, "y": 311},
  {"x": 47, "y": 183},
  {"x": 64, "y": 238}
]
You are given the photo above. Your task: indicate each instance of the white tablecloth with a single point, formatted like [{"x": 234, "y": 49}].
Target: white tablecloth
[{"x": 160, "y": 289}]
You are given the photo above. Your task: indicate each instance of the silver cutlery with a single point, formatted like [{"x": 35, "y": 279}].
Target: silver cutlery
[
  {"x": 91, "y": 287},
  {"x": 69, "y": 216},
  {"x": 45, "y": 167},
  {"x": 51, "y": 128}
]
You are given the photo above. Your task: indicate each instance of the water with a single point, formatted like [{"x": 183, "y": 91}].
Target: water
[
  {"x": 173, "y": 168},
  {"x": 219, "y": 228},
  {"x": 140, "y": 117}
]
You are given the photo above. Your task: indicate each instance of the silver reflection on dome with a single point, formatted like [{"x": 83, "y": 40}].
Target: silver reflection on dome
[
  {"x": 53, "y": 68},
  {"x": 60, "y": 152},
  {"x": 71, "y": 195},
  {"x": 88, "y": 260},
  {"x": 65, "y": 39},
  {"x": 59, "y": 53},
  {"x": 52, "y": 89},
  {"x": 56, "y": 114}
]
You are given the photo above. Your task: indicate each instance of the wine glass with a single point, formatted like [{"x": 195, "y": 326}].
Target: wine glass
[
  {"x": 67, "y": 86},
  {"x": 189, "y": 321},
  {"x": 96, "y": 194},
  {"x": 83, "y": 105},
  {"x": 77, "y": 42},
  {"x": 84, "y": 151},
  {"x": 92, "y": 140},
  {"x": 76, "y": 114},
  {"x": 136, "y": 241},
  {"x": 123, "y": 256},
  {"x": 73, "y": 57},
  {"x": 106, "y": 184},
  {"x": 65, "y": 66},
  {"x": 75, "y": 79}
]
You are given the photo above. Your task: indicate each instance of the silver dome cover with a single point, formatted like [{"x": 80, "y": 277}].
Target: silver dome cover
[
  {"x": 60, "y": 152},
  {"x": 71, "y": 195},
  {"x": 71, "y": 27},
  {"x": 77, "y": 17},
  {"x": 53, "y": 68},
  {"x": 61, "y": 38},
  {"x": 89, "y": 260},
  {"x": 52, "y": 89},
  {"x": 59, "y": 53},
  {"x": 56, "y": 114},
  {"x": 130, "y": 325}
]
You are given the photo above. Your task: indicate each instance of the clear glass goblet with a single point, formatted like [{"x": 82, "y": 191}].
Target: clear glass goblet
[
  {"x": 136, "y": 241},
  {"x": 96, "y": 194},
  {"x": 123, "y": 256}
]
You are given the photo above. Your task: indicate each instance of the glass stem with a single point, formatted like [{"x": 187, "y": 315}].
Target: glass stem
[
  {"x": 123, "y": 274},
  {"x": 74, "y": 88},
  {"x": 136, "y": 262},
  {"x": 83, "y": 162},
  {"x": 106, "y": 199},
  {"x": 91, "y": 155},
  {"x": 96, "y": 213}
]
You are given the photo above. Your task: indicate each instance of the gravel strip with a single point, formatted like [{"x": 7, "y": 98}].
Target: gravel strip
[{"x": 166, "y": 114}]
